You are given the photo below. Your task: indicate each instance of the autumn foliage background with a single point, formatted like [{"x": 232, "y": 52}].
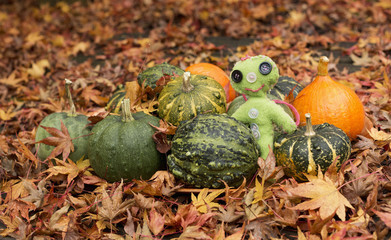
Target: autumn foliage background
[{"x": 101, "y": 44}]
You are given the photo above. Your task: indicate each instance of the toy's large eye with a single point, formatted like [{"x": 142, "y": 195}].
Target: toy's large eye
[
  {"x": 265, "y": 68},
  {"x": 237, "y": 76}
]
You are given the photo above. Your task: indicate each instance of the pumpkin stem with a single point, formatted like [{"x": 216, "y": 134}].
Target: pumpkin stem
[
  {"x": 322, "y": 66},
  {"x": 187, "y": 87},
  {"x": 72, "y": 111},
  {"x": 309, "y": 131},
  {"x": 126, "y": 114}
]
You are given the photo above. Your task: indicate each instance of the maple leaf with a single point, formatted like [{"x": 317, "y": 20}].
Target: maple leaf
[
  {"x": 68, "y": 168},
  {"x": 203, "y": 201},
  {"x": 193, "y": 232},
  {"x": 91, "y": 94},
  {"x": 229, "y": 214},
  {"x": 80, "y": 47},
  {"x": 32, "y": 39},
  {"x": 60, "y": 139},
  {"x": 252, "y": 211},
  {"x": 36, "y": 194},
  {"x": 381, "y": 138},
  {"x": 384, "y": 216},
  {"x": 57, "y": 221},
  {"x": 155, "y": 221},
  {"x": 11, "y": 80},
  {"x": 364, "y": 60},
  {"x": 8, "y": 114},
  {"x": 109, "y": 208},
  {"x": 324, "y": 196},
  {"x": 37, "y": 70}
]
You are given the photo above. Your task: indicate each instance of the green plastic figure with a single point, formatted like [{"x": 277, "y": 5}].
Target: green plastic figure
[{"x": 254, "y": 77}]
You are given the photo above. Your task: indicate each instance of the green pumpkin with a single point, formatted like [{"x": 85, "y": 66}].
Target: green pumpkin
[
  {"x": 114, "y": 103},
  {"x": 151, "y": 75},
  {"x": 76, "y": 124},
  {"x": 121, "y": 147},
  {"x": 213, "y": 147},
  {"x": 309, "y": 147},
  {"x": 186, "y": 96},
  {"x": 238, "y": 101},
  {"x": 284, "y": 86}
]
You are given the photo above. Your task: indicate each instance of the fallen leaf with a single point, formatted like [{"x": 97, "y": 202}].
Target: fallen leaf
[
  {"x": 60, "y": 139},
  {"x": 203, "y": 202},
  {"x": 324, "y": 196},
  {"x": 384, "y": 216}
]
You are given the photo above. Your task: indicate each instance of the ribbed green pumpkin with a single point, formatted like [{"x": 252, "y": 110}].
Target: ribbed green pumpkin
[
  {"x": 121, "y": 147},
  {"x": 151, "y": 75},
  {"x": 114, "y": 103},
  {"x": 284, "y": 86},
  {"x": 213, "y": 147},
  {"x": 186, "y": 96},
  {"x": 310, "y": 146},
  {"x": 76, "y": 125}
]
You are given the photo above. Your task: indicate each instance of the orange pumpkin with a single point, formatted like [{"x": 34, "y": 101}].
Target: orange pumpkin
[
  {"x": 331, "y": 102},
  {"x": 217, "y": 74}
]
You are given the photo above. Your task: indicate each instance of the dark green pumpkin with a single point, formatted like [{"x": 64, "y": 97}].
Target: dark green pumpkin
[
  {"x": 151, "y": 75},
  {"x": 186, "y": 96},
  {"x": 309, "y": 147},
  {"x": 76, "y": 124},
  {"x": 121, "y": 147},
  {"x": 213, "y": 147},
  {"x": 114, "y": 103},
  {"x": 284, "y": 86}
]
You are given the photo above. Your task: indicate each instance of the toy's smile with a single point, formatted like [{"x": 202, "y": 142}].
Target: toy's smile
[{"x": 256, "y": 90}]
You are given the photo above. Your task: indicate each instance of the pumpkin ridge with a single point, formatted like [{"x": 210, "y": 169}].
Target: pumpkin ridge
[
  {"x": 216, "y": 106},
  {"x": 311, "y": 163}
]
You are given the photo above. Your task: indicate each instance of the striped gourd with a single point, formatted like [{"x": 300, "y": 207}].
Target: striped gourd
[
  {"x": 310, "y": 146},
  {"x": 151, "y": 75},
  {"x": 211, "y": 148},
  {"x": 186, "y": 96},
  {"x": 114, "y": 104},
  {"x": 284, "y": 86}
]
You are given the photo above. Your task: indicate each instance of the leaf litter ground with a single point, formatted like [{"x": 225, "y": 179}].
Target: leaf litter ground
[{"x": 99, "y": 45}]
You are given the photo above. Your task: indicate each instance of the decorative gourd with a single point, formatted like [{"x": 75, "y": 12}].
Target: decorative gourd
[
  {"x": 331, "y": 102},
  {"x": 284, "y": 86},
  {"x": 76, "y": 124},
  {"x": 217, "y": 74},
  {"x": 121, "y": 147},
  {"x": 186, "y": 96},
  {"x": 114, "y": 103},
  {"x": 151, "y": 75},
  {"x": 213, "y": 147},
  {"x": 310, "y": 146}
]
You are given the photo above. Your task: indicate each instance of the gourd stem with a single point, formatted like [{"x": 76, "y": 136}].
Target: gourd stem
[
  {"x": 187, "y": 87},
  {"x": 322, "y": 66},
  {"x": 309, "y": 131},
  {"x": 126, "y": 115},
  {"x": 72, "y": 110}
]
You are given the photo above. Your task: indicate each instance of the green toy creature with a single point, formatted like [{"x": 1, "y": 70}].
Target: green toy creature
[{"x": 254, "y": 77}]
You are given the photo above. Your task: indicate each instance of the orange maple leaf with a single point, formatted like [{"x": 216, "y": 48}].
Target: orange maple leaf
[{"x": 324, "y": 196}]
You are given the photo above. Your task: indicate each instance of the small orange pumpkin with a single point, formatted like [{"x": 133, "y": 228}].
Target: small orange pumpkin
[
  {"x": 217, "y": 74},
  {"x": 332, "y": 102}
]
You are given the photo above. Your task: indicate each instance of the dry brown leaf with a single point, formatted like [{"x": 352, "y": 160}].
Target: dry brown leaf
[{"x": 323, "y": 195}]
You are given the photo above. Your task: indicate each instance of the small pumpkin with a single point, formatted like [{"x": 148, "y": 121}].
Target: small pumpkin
[
  {"x": 114, "y": 103},
  {"x": 186, "y": 96},
  {"x": 213, "y": 147},
  {"x": 76, "y": 124},
  {"x": 332, "y": 102},
  {"x": 309, "y": 146},
  {"x": 121, "y": 147},
  {"x": 151, "y": 75},
  {"x": 284, "y": 86},
  {"x": 217, "y": 74}
]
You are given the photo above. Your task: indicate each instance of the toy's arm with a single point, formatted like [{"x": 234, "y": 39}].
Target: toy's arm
[
  {"x": 283, "y": 120},
  {"x": 241, "y": 115}
]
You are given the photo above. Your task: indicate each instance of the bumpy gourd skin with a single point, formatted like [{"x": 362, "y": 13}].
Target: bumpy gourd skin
[{"x": 254, "y": 77}]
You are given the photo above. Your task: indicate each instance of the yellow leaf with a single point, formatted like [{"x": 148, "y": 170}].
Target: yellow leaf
[
  {"x": 80, "y": 47},
  {"x": 258, "y": 195},
  {"x": 300, "y": 234},
  {"x": 324, "y": 196},
  {"x": 37, "y": 70},
  {"x": 7, "y": 115},
  {"x": 203, "y": 201},
  {"x": 32, "y": 39},
  {"x": 132, "y": 90}
]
